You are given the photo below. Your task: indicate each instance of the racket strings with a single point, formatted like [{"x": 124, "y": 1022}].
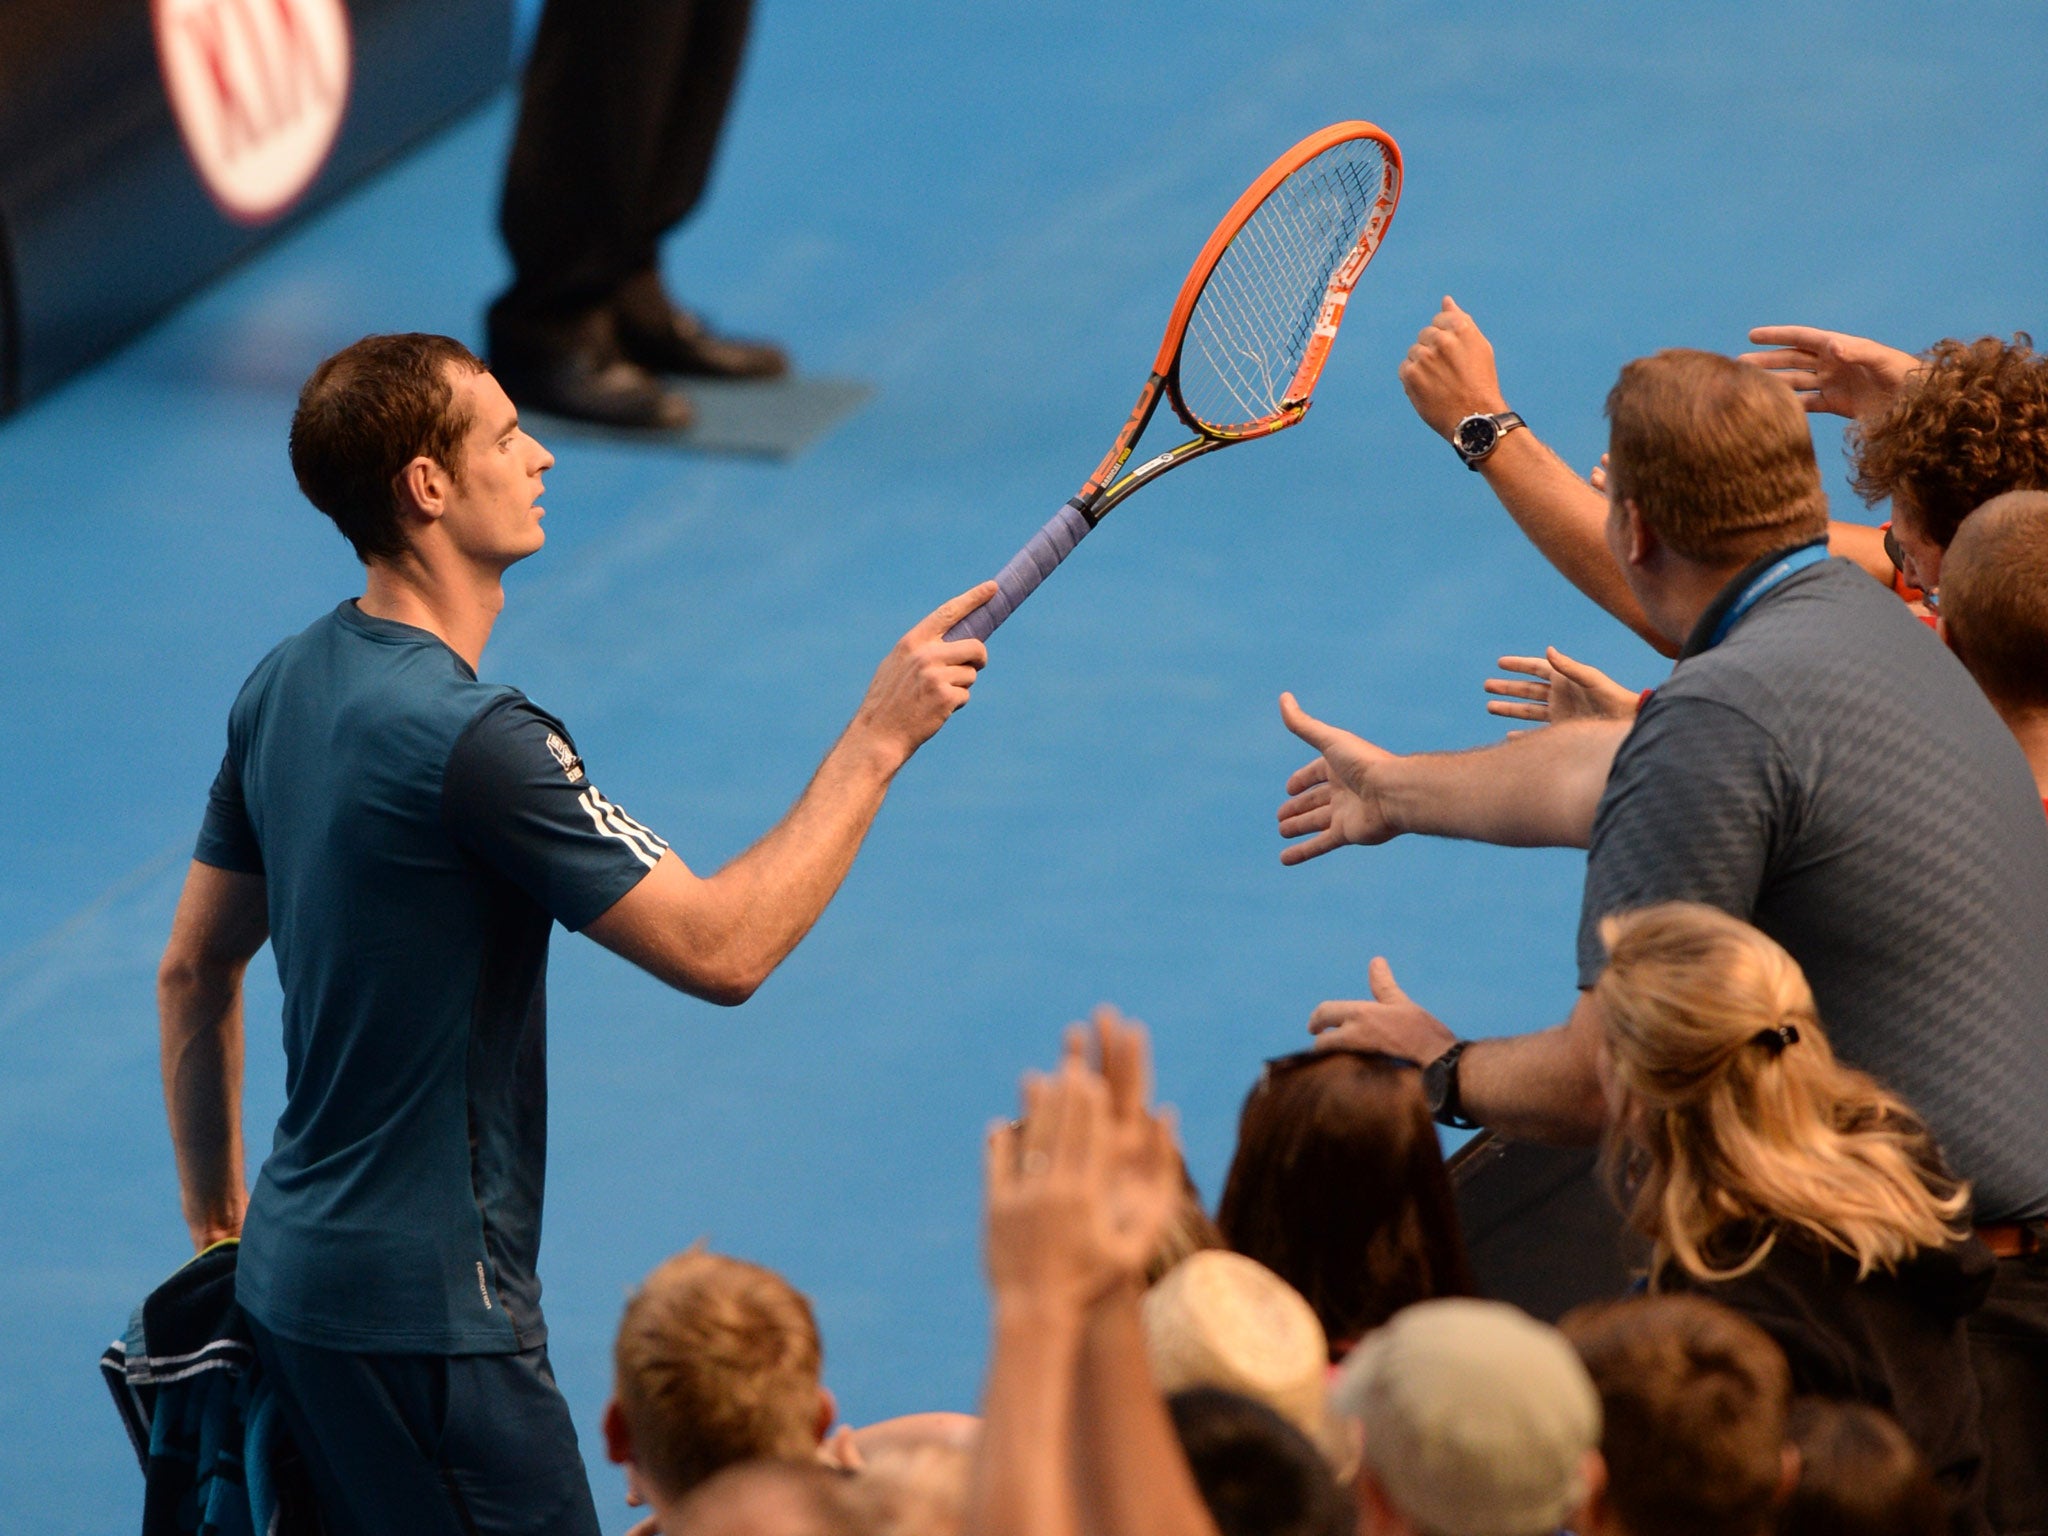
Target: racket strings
[
  {"x": 1252, "y": 325},
  {"x": 1260, "y": 309}
]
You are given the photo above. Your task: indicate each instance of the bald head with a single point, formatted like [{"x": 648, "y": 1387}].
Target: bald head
[{"x": 1994, "y": 599}]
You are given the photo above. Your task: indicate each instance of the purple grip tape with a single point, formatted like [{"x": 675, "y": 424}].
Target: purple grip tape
[{"x": 1027, "y": 568}]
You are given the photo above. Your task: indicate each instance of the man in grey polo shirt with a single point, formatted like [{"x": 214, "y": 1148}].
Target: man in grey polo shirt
[{"x": 1817, "y": 764}]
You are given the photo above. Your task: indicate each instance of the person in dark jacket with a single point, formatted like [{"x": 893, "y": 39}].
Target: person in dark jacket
[{"x": 1787, "y": 1186}]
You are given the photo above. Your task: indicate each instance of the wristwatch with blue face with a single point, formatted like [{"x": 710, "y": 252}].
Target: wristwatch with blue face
[{"x": 1479, "y": 434}]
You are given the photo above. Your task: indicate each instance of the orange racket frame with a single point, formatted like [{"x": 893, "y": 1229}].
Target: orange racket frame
[{"x": 1103, "y": 490}]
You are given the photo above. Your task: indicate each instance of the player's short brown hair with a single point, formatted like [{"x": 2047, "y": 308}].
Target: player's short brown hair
[
  {"x": 717, "y": 1362},
  {"x": 1994, "y": 598},
  {"x": 1970, "y": 424},
  {"x": 1715, "y": 455},
  {"x": 1694, "y": 1401},
  {"x": 366, "y": 413}
]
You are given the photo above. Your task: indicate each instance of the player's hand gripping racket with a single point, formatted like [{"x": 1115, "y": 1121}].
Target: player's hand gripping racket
[{"x": 1248, "y": 335}]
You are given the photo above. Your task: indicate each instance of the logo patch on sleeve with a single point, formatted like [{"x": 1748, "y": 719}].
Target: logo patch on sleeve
[{"x": 572, "y": 765}]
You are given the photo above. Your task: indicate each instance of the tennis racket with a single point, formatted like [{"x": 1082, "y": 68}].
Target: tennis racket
[{"x": 1248, "y": 336}]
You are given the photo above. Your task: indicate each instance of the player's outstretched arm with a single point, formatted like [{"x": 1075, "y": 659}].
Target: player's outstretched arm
[
  {"x": 1537, "y": 790},
  {"x": 223, "y": 918},
  {"x": 1450, "y": 374},
  {"x": 720, "y": 938}
]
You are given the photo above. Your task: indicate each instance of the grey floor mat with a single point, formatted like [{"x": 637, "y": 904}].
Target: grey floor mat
[{"x": 761, "y": 418}]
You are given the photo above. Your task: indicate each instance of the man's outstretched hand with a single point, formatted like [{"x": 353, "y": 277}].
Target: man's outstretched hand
[
  {"x": 1561, "y": 689},
  {"x": 1832, "y": 371},
  {"x": 1449, "y": 373},
  {"x": 924, "y": 678},
  {"x": 1392, "y": 1021},
  {"x": 1331, "y": 801}
]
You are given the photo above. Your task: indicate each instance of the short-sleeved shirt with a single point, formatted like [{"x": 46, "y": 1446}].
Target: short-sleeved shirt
[
  {"x": 1830, "y": 773},
  {"x": 418, "y": 832}
]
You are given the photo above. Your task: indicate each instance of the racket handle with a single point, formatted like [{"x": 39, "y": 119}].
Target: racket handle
[{"x": 1027, "y": 568}]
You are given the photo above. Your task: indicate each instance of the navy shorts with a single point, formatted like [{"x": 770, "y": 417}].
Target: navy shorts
[{"x": 439, "y": 1445}]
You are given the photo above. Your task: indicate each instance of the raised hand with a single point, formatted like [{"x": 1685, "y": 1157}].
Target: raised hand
[
  {"x": 1390, "y": 1021},
  {"x": 1146, "y": 1190},
  {"x": 1080, "y": 1189},
  {"x": 1832, "y": 371},
  {"x": 1561, "y": 689},
  {"x": 924, "y": 678},
  {"x": 1449, "y": 373},
  {"x": 1331, "y": 801}
]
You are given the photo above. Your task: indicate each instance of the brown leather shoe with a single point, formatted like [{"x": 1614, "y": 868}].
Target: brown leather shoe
[
  {"x": 579, "y": 371},
  {"x": 662, "y": 337}
]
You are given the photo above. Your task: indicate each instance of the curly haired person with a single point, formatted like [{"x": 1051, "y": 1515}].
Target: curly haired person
[{"x": 1970, "y": 423}]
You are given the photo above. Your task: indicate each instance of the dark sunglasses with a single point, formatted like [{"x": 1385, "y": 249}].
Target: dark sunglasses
[{"x": 1897, "y": 556}]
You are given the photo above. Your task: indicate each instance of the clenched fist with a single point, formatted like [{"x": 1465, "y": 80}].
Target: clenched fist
[{"x": 1449, "y": 373}]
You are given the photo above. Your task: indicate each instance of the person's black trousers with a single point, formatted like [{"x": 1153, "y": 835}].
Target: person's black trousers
[
  {"x": 432, "y": 1445},
  {"x": 2009, "y": 1350},
  {"x": 618, "y": 122}
]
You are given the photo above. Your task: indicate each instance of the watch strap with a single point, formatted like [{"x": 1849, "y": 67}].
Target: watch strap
[{"x": 1440, "y": 1083}]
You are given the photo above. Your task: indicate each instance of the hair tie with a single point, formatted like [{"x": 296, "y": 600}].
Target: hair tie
[{"x": 1775, "y": 1040}]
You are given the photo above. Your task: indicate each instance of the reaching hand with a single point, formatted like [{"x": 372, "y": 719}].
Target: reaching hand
[
  {"x": 1146, "y": 1189},
  {"x": 1332, "y": 797},
  {"x": 1076, "y": 1199},
  {"x": 925, "y": 677},
  {"x": 1391, "y": 1022},
  {"x": 1449, "y": 373},
  {"x": 1563, "y": 690},
  {"x": 1596, "y": 477},
  {"x": 1831, "y": 371}
]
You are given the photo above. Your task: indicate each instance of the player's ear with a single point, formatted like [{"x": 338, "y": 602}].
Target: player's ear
[
  {"x": 421, "y": 488},
  {"x": 828, "y": 1412}
]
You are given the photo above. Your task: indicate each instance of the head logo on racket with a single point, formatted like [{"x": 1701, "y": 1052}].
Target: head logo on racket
[{"x": 1248, "y": 335}]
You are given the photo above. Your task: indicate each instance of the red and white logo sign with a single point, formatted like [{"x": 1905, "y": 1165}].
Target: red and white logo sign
[{"x": 258, "y": 88}]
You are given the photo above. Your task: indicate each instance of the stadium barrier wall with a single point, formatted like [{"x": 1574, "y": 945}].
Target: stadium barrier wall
[
  {"x": 146, "y": 145},
  {"x": 1541, "y": 1229}
]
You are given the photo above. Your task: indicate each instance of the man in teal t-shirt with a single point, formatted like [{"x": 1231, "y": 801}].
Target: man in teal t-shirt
[{"x": 405, "y": 836}]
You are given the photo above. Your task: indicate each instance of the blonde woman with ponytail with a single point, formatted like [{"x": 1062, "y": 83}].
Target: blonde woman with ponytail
[{"x": 1796, "y": 1190}]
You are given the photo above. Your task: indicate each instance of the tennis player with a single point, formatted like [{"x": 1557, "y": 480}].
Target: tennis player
[{"x": 405, "y": 835}]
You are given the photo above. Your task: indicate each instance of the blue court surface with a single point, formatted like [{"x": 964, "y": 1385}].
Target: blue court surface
[{"x": 983, "y": 211}]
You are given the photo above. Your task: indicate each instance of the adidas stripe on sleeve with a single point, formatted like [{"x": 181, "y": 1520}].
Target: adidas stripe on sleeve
[{"x": 515, "y": 795}]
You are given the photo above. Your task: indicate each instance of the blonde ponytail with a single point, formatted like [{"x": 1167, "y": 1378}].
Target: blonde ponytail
[{"x": 1733, "y": 1114}]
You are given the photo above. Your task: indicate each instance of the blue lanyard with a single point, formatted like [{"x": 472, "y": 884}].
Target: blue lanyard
[{"x": 1798, "y": 560}]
